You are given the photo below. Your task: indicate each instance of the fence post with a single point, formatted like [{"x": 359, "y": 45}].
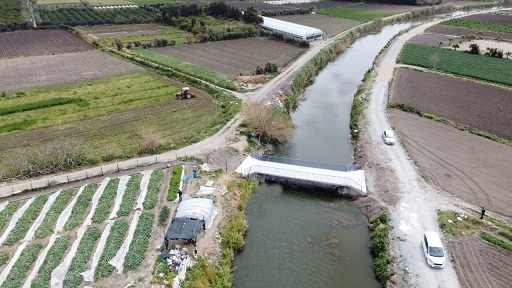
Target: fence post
[
  {"x": 86, "y": 174},
  {"x": 117, "y": 167}
]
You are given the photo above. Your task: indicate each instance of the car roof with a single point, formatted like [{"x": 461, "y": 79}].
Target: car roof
[
  {"x": 433, "y": 239},
  {"x": 389, "y": 132}
]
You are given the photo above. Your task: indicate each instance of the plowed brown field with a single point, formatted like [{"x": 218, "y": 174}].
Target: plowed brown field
[
  {"x": 234, "y": 56},
  {"x": 40, "y": 42},
  {"x": 43, "y": 71},
  {"x": 480, "y": 264},
  {"x": 476, "y": 105},
  {"x": 459, "y": 31},
  {"x": 474, "y": 168},
  {"x": 490, "y": 17}
]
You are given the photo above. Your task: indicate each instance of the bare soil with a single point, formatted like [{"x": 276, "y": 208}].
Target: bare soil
[
  {"x": 473, "y": 168},
  {"x": 479, "y": 263},
  {"x": 481, "y": 106},
  {"x": 233, "y": 57},
  {"x": 40, "y": 42},
  {"x": 42, "y": 71},
  {"x": 101, "y": 31},
  {"x": 460, "y": 31},
  {"x": 491, "y": 17}
]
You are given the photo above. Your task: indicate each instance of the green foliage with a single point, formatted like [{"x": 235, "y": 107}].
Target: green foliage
[
  {"x": 19, "y": 270},
  {"x": 139, "y": 244},
  {"x": 496, "y": 241},
  {"x": 465, "y": 227},
  {"x": 106, "y": 200},
  {"x": 405, "y": 108},
  {"x": 46, "y": 227},
  {"x": 200, "y": 275},
  {"x": 114, "y": 241},
  {"x": 174, "y": 186},
  {"x": 363, "y": 15},
  {"x": 379, "y": 246},
  {"x": 88, "y": 16},
  {"x": 52, "y": 260},
  {"x": 26, "y": 220},
  {"x": 132, "y": 189},
  {"x": 506, "y": 234},
  {"x": 153, "y": 190},
  {"x": 30, "y": 106},
  {"x": 6, "y": 214},
  {"x": 82, "y": 256},
  {"x": 4, "y": 256},
  {"x": 163, "y": 216},
  {"x": 11, "y": 12},
  {"x": 21, "y": 125},
  {"x": 459, "y": 63},
  {"x": 479, "y": 25},
  {"x": 81, "y": 205},
  {"x": 286, "y": 38}
]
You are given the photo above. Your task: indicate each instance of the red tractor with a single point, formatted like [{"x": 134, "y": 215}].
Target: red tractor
[{"x": 185, "y": 94}]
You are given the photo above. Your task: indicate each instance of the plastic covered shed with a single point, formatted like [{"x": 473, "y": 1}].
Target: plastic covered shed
[
  {"x": 292, "y": 29},
  {"x": 196, "y": 208}
]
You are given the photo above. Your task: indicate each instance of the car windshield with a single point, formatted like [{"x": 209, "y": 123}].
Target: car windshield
[{"x": 436, "y": 251}]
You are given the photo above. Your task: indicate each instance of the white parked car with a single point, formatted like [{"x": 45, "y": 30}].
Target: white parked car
[
  {"x": 389, "y": 137},
  {"x": 433, "y": 250}
]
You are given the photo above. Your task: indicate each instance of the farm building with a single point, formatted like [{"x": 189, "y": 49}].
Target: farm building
[
  {"x": 292, "y": 29},
  {"x": 192, "y": 217}
]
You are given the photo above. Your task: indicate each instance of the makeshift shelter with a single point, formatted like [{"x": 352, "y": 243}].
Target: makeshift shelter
[
  {"x": 191, "y": 216},
  {"x": 292, "y": 29}
]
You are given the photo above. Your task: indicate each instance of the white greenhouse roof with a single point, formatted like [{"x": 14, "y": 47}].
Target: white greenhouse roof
[
  {"x": 196, "y": 208},
  {"x": 301, "y": 31}
]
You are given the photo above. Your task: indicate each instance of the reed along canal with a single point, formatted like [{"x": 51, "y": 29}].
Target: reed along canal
[{"x": 304, "y": 236}]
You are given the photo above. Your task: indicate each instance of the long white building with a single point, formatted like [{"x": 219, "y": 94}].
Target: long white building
[{"x": 292, "y": 29}]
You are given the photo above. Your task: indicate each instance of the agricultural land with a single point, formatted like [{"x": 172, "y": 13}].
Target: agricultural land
[{"x": 447, "y": 108}]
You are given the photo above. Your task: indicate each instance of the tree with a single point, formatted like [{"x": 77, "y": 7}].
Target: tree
[
  {"x": 119, "y": 44},
  {"x": 268, "y": 120},
  {"x": 450, "y": 40},
  {"x": 434, "y": 58},
  {"x": 474, "y": 49},
  {"x": 455, "y": 46},
  {"x": 251, "y": 16},
  {"x": 440, "y": 44},
  {"x": 508, "y": 54}
]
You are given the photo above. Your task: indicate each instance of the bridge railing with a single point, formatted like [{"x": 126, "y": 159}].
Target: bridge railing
[
  {"x": 306, "y": 163},
  {"x": 295, "y": 174}
]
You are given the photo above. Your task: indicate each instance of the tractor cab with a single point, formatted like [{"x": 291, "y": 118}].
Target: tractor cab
[{"x": 185, "y": 94}]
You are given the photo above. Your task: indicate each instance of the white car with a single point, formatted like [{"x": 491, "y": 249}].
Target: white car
[
  {"x": 433, "y": 250},
  {"x": 389, "y": 137}
]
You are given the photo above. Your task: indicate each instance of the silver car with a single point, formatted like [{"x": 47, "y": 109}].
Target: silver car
[{"x": 389, "y": 137}]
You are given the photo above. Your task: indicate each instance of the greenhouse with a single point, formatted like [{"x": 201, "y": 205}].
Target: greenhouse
[
  {"x": 192, "y": 217},
  {"x": 292, "y": 29}
]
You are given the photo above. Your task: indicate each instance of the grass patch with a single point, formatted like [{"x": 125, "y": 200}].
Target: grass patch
[
  {"x": 129, "y": 196},
  {"x": 16, "y": 126},
  {"x": 379, "y": 248},
  {"x": 459, "y": 63},
  {"x": 47, "y": 226},
  {"x": 52, "y": 260},
  {"x": 56, "y": 2},
  {"x": 467, "y": 226},
  {"x": 40, "y": 105},
  {"x": 143, "y": 2},
  {"x": 363, "y": 15},
  {"x": 105, "y": 202},
  {"x": 496, "y": 241},
  {"x": 153, "y": 190},
  {"x": 479, "y": 25}
]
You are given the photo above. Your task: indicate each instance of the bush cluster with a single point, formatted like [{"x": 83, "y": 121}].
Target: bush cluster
[
  {"x": 379, "y": 243},
  {"x": 286, "y": 12},
  {"x": 286, "y": 38}
]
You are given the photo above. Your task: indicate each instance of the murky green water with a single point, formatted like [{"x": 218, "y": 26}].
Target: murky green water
[{"x": 303, "y": 236}]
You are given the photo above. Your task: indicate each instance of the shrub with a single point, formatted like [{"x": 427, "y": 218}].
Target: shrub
[
  {"x": 379, "y": 243},
  {"x": 52, "y": 260},
  {"x": 82, "y": 256},
  {"x": 46, "y": 227},
  {"x": 174, "y": 186},
  {"x": 163, "y": 216},
  {"x": 26, "y": 220},
  {"x": 153, "y": 190}
]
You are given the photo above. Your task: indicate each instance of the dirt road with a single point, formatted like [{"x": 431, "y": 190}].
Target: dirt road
[{"x": 416, "y": 209}]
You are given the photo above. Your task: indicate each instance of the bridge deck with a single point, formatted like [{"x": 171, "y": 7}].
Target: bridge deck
[{"x": 354, "y": 179}]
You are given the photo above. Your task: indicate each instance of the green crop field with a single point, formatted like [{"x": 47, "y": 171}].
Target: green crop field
[
  {"x": 108, "y": 2},
  {"x": 203, "y": 73},
  {"x": 362, "y": 15},
  {"x": 459, "y": 63},
  {"x": 142, "y": 2},
  {"x": 56, "y": 2},
  {"x": 10, "y": 11},
  {"x": 479, "y": 25}
]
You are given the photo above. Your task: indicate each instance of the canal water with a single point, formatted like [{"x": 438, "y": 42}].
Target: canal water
[{"x": 305, "y": 236}]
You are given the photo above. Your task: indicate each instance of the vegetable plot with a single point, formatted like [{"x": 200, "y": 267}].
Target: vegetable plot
[
  {"x": 53, "y": 258},
  {"x": 114, "y": 242},
  {"x": 105, "y": 203},
  {"x": 153, "y": 190},
  {"x": 139, "y": 244},
  {"x": 26, "y": 220},
  {"x": 51, "y": 217},
  {"x": 82, "y": 256},
  {"x": 18, "y": 271},
  {"x": 81, "y": 205},
  {"x": 6, "y": 214},
  {"x": 132, "y": 188},
  {"x": 4, "y": 256},
  {"x": 175, "y": 183}
]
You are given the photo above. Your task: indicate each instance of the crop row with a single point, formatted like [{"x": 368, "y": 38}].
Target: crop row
[
  {"x": 105, "y": 203},
  {"x": 38, "y": 105},
  {"x": 153, "y": 190},
  {"x": 132, "y": 189},
  {"x": 81, "y": 205},
  {"x": 91, "y": 16},
  {"x": 6, "y": 214},
  {"x": 82, "y": 256},
  {"x": 479, "y": 25},
  {"x": 47, "y": 226},
  {"x": 174, "y": 186},
  {"x": 114, "y": 241},
  {"x": 24, "y": 222},
  {"x": 19, "y": 270},
  {"x": 139, "y": 244},
  {"x": 52, "y": 260},
  {"x": 4, "y": 256},
  {"x": 11, "y": 11},
  {"x": 459, "y": 63}
]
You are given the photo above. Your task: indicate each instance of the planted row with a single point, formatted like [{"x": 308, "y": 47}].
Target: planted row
[
  {"x": 132, "y": 189},
  {"x": 114, "y": 241},
  {"x": 4, "y": 256},
  {"x": 19, "y": 270},
  {"x": 174, "y": 186},
  {"x": 153, "y": 190},
  {"x": 26, "y": 220},
  {"x": 139, "y": 244},
  {"x": 38, "y": 105},
  {"x": 52, "y": 260},
  {"x": 82, "y": 256},
  {"x": 81, "y": 205},
  {"x": 47, "y": 226},
  {"x": 7, "y": 213},
  {"x": 163, "y": 216},
  {"x": 105, "y": 202}
]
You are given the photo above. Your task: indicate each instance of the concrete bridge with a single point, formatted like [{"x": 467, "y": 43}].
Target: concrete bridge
[{"x": 324, "y": 173}]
